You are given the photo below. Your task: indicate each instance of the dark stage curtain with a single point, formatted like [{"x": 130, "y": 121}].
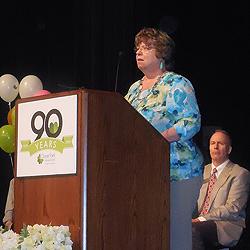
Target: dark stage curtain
[{"x": 77, "y": 43}]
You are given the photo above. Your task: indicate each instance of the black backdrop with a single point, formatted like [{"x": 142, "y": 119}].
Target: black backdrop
[{"x": 78, "y": 43}]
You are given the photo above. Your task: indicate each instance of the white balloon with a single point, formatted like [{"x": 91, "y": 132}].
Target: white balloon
[
  {"x": 29, "y": 85},
  {"x": 8, "y": 87}
]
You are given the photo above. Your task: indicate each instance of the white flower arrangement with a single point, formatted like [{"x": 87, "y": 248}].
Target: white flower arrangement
[{"x": 40, "y": 237}]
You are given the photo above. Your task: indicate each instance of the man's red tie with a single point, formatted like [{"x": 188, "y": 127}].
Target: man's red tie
[{"x": 209, "y": 190}]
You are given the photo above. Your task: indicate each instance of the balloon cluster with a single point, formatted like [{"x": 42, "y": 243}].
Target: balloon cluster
[{"x": 29, "y": 86}]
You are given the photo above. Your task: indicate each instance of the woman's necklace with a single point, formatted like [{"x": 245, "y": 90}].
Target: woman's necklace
[
  {"x": 152, "y": 83},
  {"x": 144, "y": 92}
]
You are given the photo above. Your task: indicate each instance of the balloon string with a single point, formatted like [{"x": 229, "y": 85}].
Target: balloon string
[
  {"x": 11, "y": 161},
  {"x": 9, "y": 105}
]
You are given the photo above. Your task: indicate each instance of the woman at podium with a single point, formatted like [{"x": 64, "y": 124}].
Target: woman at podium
[{"x": 167, "y": 100}]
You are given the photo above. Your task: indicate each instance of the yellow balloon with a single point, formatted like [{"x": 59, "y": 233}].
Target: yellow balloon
[{"x": 12, "y": 116}]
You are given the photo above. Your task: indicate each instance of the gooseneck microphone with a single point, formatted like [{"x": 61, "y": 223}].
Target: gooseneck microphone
[{"x": 120, "y": 53}]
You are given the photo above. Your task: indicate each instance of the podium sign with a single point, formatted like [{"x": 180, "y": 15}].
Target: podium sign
[{"x": 47, "y": 137}]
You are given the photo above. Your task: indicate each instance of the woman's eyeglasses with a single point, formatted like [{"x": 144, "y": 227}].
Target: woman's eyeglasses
[{"x": 143, "y": 48}]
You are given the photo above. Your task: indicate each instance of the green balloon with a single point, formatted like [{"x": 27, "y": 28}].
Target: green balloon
[{"x": 7, "y": 138}]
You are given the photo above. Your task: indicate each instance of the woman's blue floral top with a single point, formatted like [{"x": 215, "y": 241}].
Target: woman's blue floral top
[{"x": 171, "y": 102}]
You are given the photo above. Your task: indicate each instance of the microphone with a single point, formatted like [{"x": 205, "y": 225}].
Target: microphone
[{"x": 120, "y": 53}]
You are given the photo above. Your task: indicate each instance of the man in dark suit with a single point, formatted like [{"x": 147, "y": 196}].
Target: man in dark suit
[{"x": 222, "y": 199}]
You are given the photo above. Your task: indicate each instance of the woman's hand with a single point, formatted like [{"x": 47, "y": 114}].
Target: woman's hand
[{"x": 170, "y": 135}]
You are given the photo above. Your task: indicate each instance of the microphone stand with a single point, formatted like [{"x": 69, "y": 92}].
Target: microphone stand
[{"x": 117, "y": 69}]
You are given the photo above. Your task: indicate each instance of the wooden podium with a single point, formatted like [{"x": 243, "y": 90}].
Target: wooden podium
[{"x": 119, "y": 197}]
